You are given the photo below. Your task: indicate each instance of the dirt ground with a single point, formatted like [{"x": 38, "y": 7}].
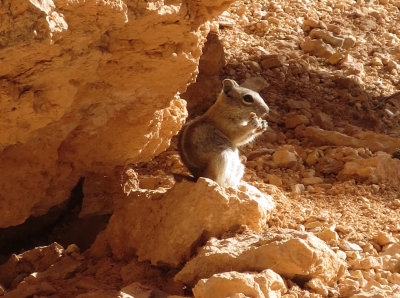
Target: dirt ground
[
  {"x": 352, "y": 94},
  {"x": 354, "y": 100}
]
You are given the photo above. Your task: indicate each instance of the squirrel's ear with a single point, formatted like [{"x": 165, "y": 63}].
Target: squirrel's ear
[{"x": 228, "y": 84}]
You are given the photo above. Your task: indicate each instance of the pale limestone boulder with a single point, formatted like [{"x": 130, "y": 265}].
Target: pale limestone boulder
[
  {"x": 274, "y": 179},
  {"x": 255, "y": 83},
  {"x": 368, "y": 139},
  {"x": 313, "y": 23},
  {"x": 378, "y": 169},
  {"x": 89, "y": 85},
  {"x": 349, "y": 42},
  {"x": 328, "y": 235},
  {"x": 221, "y": 285},
  {"x": 165, "y": 228},
  {"x": 312, "y": 180},
  {"x": 289, "y": 253},
  {"x": 323, "y": 120}
]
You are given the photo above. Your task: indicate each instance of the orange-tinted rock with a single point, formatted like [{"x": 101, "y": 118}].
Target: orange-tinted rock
[
  {"x": 317, "y": 48},
  {"x": 367, "y": 139},
  {"x": 378, "y": 169},
  {"x": 296, "y": 120},
  {"x": 289, "y": 253},
  {"x": 164, "y": 228},
  {"x": 285, "y": 156},
  {"x": 221, "y": 285},
  {"x": 86, "y": 86},
  {"x": 272, "y": 61},
  {"x": 36, "y": 260}
]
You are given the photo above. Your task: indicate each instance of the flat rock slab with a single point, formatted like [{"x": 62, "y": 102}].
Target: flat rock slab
[
  {"x": 289, "y": 253},
  {"x": 166, "y": 228}
]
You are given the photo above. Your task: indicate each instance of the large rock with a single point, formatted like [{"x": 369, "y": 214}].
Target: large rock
[
  {"x": 373, "y": 141},
  {"x": 289, "y": 253},
  {"x": 378, "y": 169},
  {"x": 221, "y": 285},
  {"x": 87, "y": 85},
  {"x": 166, "y": 228}
]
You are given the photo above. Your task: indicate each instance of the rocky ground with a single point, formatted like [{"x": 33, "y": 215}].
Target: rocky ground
[
  {"x": 330, "y": 77},
  {"x": 329, "y": 72},
  {"x": 331, "y": 81}
]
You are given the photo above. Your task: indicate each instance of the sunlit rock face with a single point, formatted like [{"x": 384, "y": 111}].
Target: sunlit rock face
[{"x": 88, "y": 85}]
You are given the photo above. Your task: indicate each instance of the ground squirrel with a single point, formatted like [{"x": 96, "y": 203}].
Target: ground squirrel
[{"x": 209, "y": 144}]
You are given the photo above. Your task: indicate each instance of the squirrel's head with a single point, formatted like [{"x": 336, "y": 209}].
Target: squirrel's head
[{"x": 242, "y": 97}]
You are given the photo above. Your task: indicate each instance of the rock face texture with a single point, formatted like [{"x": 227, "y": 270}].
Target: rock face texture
[
  {"x": 87, "y": 85},
  {"x": 166, "y": 228}
]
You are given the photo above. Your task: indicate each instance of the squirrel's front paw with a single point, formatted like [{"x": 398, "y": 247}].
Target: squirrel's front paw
[
  {"x": 264, "y": 126},
  {"x": 259, "y": 124},
  {"x": 254, "y": 121}
]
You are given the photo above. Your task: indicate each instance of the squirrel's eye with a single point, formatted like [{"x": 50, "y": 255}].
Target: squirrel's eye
[{"x": 248, "y": 98}]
